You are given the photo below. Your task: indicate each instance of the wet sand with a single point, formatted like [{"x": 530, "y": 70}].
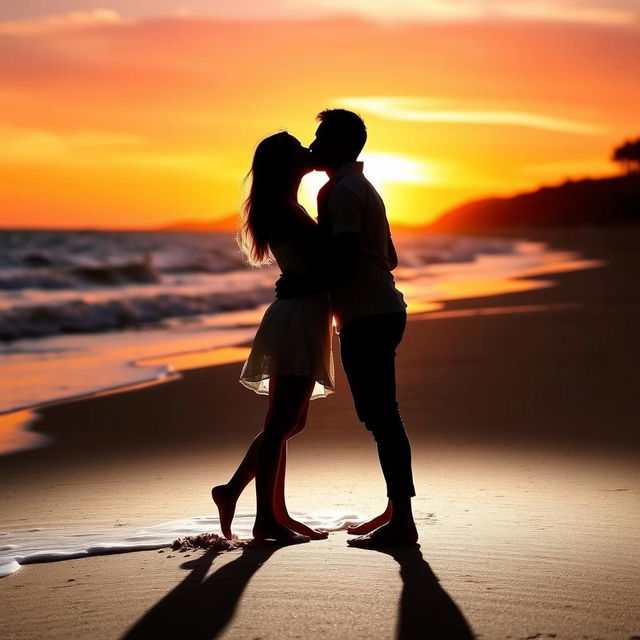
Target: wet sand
[{"x": 522, "y": 410}]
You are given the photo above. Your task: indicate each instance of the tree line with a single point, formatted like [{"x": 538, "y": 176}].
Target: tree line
[{"x": 627, "y": 155}]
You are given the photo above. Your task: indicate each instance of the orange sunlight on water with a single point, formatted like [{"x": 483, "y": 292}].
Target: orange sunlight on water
[
  {"x": 197, "y": 359},
  {"x": 14, "y": 435}
]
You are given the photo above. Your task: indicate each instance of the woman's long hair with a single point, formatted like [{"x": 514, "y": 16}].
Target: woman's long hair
[{"x": 270, "y": 182}]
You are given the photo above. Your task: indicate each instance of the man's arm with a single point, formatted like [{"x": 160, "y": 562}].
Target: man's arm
[
  {"x": 343, "y": 251},
  {"x": 345, "y": 210}
]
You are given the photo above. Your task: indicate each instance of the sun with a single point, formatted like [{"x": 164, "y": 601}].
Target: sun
[
  {"x": 383, "y": 170},
  {"x": 311, "y": 184}
]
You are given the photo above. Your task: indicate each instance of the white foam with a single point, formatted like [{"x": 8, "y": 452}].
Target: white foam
[{"x": 18, "y": 548}]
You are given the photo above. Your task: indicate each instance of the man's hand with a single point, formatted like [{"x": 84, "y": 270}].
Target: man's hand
[{"x": 289, "y": 286}]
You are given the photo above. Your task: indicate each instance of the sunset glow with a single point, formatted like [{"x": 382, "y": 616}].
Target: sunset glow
[{"x": 138, "y": 114}]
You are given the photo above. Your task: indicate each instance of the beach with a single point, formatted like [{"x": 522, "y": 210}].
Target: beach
[{"x": 523, "y": 415}]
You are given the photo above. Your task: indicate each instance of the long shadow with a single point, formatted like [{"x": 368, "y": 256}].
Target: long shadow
[
  {"x": 199, "y": 609},
  {"x": 426, "y": 610}
]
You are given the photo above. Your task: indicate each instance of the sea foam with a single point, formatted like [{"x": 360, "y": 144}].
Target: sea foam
[{"x": 18, "y": 548}]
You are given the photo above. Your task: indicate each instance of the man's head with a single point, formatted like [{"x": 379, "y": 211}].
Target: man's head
[{"x": 340, "y": 138}]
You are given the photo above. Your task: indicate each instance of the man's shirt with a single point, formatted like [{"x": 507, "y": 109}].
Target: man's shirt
[{"x": 349, "y": 203}]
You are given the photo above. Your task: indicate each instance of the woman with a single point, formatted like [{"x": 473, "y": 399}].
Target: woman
[{"x": 291, "y": 358}]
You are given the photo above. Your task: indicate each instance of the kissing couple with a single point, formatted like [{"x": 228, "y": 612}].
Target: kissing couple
[{"x": 338, "y": 267}]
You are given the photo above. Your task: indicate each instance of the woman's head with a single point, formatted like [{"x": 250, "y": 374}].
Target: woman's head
[{"x": 279, "y": 162}]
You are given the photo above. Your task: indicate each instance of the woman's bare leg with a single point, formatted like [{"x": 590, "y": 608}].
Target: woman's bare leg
[
  {"x": 279, "y": 501},
  {"x": 226, "y": 495},
  {"x": 288, "y": 399},
  {"x": 374, "y": 523},
  {"x": 280, "y": 507}
]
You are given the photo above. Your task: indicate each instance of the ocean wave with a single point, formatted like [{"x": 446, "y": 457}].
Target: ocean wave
[
  {"x": 81, "y": 316},
  {"x": 86, "y": 282},
  {"x": 49, "y": 260},
  {"x": 142, "y": 272},
  {"x": 74, "y": 259},
  {"x": 421, "y": 251}
]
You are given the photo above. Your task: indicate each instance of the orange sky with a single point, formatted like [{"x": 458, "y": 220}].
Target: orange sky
[{"x": 111, "y": 119}]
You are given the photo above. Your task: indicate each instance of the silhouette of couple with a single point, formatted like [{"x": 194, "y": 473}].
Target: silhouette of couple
[{"x": 341, "y": 267}]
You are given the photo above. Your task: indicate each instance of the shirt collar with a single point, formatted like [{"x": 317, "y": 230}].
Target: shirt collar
[{"x": 346, "y": 169}]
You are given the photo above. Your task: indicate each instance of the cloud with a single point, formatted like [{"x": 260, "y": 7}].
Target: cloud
[
  {"x": 52, "y": 23},
  {"x": 394, "y": 167},
  {"x": 565, "y": 12},
  {"x": 430, "y": 110},
  {"x": 470, "y": 10},
  {"x": 603, "y": 12}
]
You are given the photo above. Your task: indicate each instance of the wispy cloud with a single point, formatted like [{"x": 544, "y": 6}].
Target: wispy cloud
[
  {"x": 52, "y": 23},
  {"x": 569, "y": 12},
  {"x": 604, "y": 12},
  {"x": 432, "y": 110},
  {"x": 465, "y": 10},
  {"x": 398, "y": 168}
]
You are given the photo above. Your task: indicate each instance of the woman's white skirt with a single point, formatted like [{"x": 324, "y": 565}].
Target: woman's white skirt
[{"x": 294, "y": 338}]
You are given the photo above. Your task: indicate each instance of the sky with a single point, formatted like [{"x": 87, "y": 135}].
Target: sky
[{"x": 138, "y": 113}]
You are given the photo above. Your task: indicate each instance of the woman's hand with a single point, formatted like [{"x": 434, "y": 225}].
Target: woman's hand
[{"x": 288, "y": 286}]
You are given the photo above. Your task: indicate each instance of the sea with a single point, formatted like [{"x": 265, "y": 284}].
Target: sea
[{"x": 82, "y": 312}]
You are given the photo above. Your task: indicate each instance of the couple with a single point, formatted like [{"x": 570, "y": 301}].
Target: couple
[{"x": 340, "y": 266}]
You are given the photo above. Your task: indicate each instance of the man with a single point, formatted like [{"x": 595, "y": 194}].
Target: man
[{"x": 369, "y": 311}]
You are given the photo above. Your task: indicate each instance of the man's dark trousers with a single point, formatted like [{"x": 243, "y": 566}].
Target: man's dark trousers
[{"x": 368, "y": 350}]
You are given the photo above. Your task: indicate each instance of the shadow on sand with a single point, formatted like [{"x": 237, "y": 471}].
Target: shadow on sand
[
  {"x": 200, "y": 608},
  {"x": 426, "y": 610}
]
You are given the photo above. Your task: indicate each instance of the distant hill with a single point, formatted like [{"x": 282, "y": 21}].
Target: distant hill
[
  {"x": 226, "y": 224},
  {"x": 597, "y": 201}
]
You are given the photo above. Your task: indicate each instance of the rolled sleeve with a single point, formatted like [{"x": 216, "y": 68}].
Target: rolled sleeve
[{"x": 345, "y": 210}]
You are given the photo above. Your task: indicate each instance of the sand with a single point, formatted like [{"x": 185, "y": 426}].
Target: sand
[{"x": 522, "y": 410}]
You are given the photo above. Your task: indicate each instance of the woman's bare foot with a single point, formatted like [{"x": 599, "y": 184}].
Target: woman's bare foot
[
  {"x": 226, "y": 504},
  {"x": 373, "y": 524},
  {"x": 388, "y": 535},
  {"x": 301, "y": 527},
  {"x": 279, "y": 533}
]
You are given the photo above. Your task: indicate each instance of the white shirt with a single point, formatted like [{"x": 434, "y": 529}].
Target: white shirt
[{"x": 350, "y": 203}]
